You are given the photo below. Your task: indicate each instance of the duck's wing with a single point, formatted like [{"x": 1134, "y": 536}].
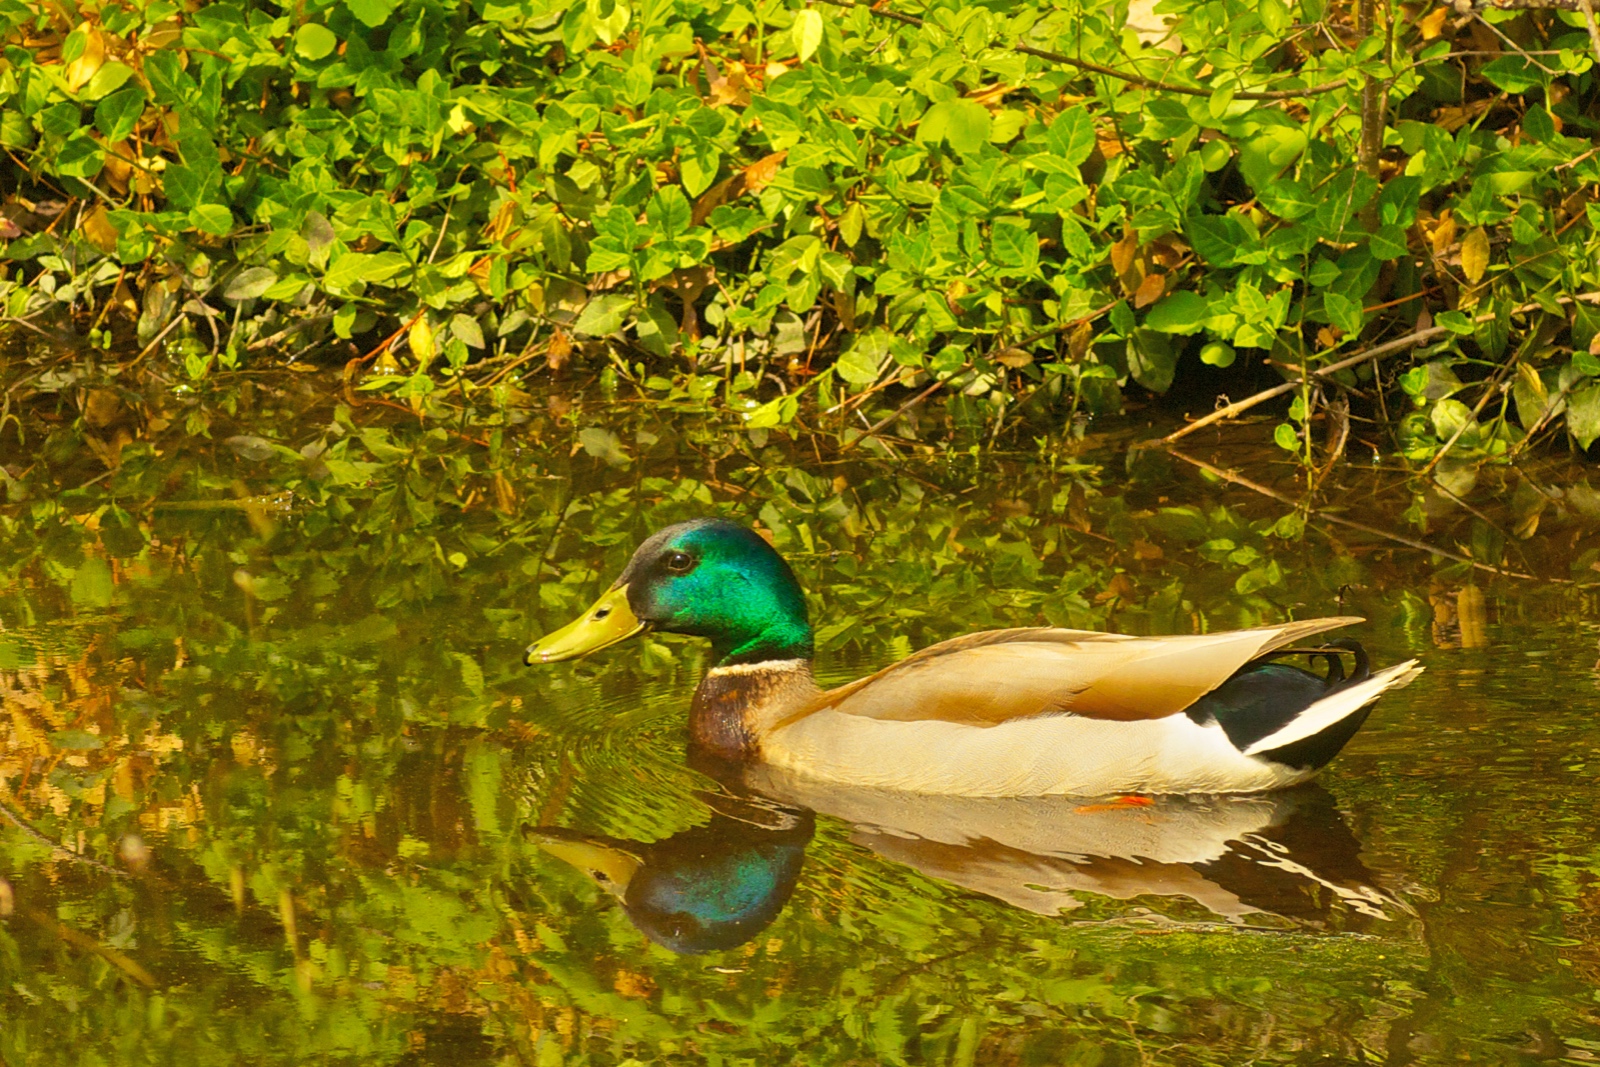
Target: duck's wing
[{"x": 988, "y": 678}]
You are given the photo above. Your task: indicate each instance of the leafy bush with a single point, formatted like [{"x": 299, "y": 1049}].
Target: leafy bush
[{"x": 1024, "y": 198}]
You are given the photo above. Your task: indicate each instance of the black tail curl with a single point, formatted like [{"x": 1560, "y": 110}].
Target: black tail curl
[{"x": 1264, "y": 696}]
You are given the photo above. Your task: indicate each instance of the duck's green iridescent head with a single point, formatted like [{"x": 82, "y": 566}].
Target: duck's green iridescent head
[{"x": 709, "y": 578}]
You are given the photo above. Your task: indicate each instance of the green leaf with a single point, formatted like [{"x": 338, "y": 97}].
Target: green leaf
[
  {"x": 465, "y": 328},
  {"x": 15, "y": 129},
  {"x": 604, "y": 445},
  {"x": 353, "y": 267},
  {"x": 76, "y": 741},
  {"x": 1071, "y": 136},
  {"x": 1449, "y": 416},
  {"x": 214, "y": 219},
  {"x": 107, "y": 79},
  {"x": 961, "y": 123},
  {"x": 313, "y": 42},
  {"x": 603, "y": 315},
  {"x": 860, "y": 363},
  {"x": 1181, "y": 312},
  {"x": 80, "y": 156},
  {"x": 371, "y": 13},
  {"x": 1512, "y": 74},
  {"x": 807, "y": 33},
  {"x": 92, "y": 585},
  {"x": 1218, "y": 354},
  {"x": 1263, "y": 157},
  {"x": 250, "y": 283},
  {"x": 189, "y": 185},
  {"x": 1015, "y": 245},
  {"x": 1152, "y": 360},
  {"x": 1583, "y": 413},
  {"x": 1387, "y": 242},
  {"x": 1286, "y": 438},
  {"x": 1285, "y": 197},
  {"x": 669, "y": 212},
  {"x": 657, "y": 329},
  {"x": 118, "y": 114},
  {"x": 1343, "y": 312}
]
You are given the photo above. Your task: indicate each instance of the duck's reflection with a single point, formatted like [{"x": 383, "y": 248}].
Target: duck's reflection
[
  {"x": 710, "y": 887},
  {"x": 1285, "y": 855}
]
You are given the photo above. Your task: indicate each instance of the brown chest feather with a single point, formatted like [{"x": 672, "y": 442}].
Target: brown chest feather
[{"x": 733, "y": 707}]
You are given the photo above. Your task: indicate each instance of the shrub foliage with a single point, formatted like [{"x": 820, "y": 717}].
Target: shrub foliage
[{"x": 1017, "y": 199}]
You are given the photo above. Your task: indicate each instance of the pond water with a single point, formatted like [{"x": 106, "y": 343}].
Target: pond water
[{"x": 277, "y": 788}]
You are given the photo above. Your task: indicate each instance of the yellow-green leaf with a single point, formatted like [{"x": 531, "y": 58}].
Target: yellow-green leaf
[{"x": 807, "y": 32}]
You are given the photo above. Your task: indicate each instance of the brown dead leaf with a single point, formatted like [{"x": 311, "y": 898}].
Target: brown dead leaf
[
  {"x": 630, "y": 984},
  {"x": 687, "y": 285},
  {"x": 1123, "y": 252},
  {"x": 503, "y": 222},
  {"x": 724, "y": 89},
  {"x": 98, "y": 230},
  {"x": 559, "y": 350},
  {"x": 122, "y": 297},
  {"x": 101, "y": 408},
  {"x": 1109, "y": 144},
  {"x": 1146, "y": 551},
  {"x": 1472, "y": 611},
  {"x": 1150, "y": 290},
  {"x": 1015, "y": 358},
  {"x": 1475, "y": 254},
  {"x": 80, "y": 70},
  {"x": 117, "y": 168},
  {"x": 991, "y": 96},
  {"x": 607, "y": 280},
  {"x": 1431, "y": 23},
  {"x": 1444, "y": 234},
  {"x": 1119, "y": 586},
  {"x": 160, "y": 36},
  {"x": 1451, "y": 119},
  {"x": 752, "y": 179},
  {"x": 505, "y": 497},
  {"x": 759, "y": 175},
  {"x": 1078, "y": 341}
]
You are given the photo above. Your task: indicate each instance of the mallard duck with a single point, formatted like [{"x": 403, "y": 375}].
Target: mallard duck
[{"x": 1004, "y": 713}]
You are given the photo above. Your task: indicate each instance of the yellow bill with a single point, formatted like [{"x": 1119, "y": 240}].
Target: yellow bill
[
  {"x": 608, "y": 621},
  {"x": 611, "y": 868}
]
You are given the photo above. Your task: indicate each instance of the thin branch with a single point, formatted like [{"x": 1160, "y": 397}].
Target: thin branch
[
  {"x": 1410, "y": 340},
  {"x": 1257, "y": 487},
  {"x": 1496, "y": 387},
  {"x": 902, "y": 409},
  {"x": 1594, "y": 31}
]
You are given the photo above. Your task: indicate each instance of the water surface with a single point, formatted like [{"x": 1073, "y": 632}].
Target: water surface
[{"x": 278, "y": 789}]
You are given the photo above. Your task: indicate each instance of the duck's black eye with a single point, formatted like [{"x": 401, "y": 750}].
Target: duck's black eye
[{"x": 680, "y": 562}]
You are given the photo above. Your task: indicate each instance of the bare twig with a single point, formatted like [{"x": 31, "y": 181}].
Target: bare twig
[
  {"x": 1257, "y": 487},
  {"x": 1241, "y": 406},
  {"x": 57, "y": 850},
  {"x": 293, "y": 327},
  {"x": 1410, "y": 340},
  {"x": 1594, "y": 31},
  {"x": 151, "y": 347},
  {"x": 902, "y": 409},
  {"x": 1496, "y": 387}
]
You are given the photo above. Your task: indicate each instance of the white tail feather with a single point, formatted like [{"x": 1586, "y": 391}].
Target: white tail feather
[{"x": 1330, "y": 709}]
